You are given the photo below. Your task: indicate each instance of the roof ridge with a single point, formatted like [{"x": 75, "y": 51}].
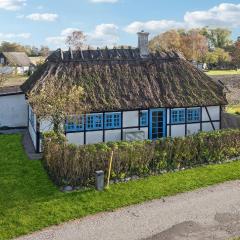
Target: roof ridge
[{"x": 106, "y": 54}]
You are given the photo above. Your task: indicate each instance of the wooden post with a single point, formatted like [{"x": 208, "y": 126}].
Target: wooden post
[{"x": 109, "y": 169}]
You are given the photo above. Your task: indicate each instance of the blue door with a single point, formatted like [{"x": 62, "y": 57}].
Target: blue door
[{"x": 157, "y": 123}]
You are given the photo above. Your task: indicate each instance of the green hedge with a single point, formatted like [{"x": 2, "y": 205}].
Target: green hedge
[{"x": 69, "y": 164}]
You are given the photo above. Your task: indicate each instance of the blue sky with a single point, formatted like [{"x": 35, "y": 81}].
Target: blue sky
[{"x": 109, "y": 22}]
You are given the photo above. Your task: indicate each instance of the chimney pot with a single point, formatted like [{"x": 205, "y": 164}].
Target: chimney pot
[{"x": 143, "y": 43}]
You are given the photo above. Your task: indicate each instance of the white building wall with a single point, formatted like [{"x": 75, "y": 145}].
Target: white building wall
[
  {"x": 207, "y": 127},
  {"x": 13, "y": 111},
  {"x": 75, "y": 138},
  {"x": 94, "y": 137},
  {"x": 193, "y": 128},
  {"x": 214, "y": 112},
  {"x": 178, "y": 130},
  {"x": 45, "y": 126},
  {"x": 145, "y": 130},
  {"x": 22, "y": 70},
  {"x": 112, "y": 135},
  {"x": 130, "y": 119},
  {"x": 168, "y": 116}
]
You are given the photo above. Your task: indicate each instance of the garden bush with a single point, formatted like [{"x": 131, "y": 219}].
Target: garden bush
[{"x": 69, "y": 164}]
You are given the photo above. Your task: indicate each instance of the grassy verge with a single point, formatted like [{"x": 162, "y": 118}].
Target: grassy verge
[
  {"x": 29, "y": 201},
  {"x": 13, "y": 80},
  {"x": 223, "y": 72},
  {"x": 234, "y": 109}
]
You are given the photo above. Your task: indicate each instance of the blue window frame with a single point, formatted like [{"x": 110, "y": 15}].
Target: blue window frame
[
  {"x": 193, "y": 114},
  {"x": 74, "y": 123},
  {"x": 144, "y": 118},
  {"x": 112, "y": 120},
  {"x": 94, "y": 121},
  {"x": 157, "y": 124},
  {"x": 178, "y": 115}
]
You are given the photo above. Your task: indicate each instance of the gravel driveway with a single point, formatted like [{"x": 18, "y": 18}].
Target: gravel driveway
[{"x": 210, "y": 213}]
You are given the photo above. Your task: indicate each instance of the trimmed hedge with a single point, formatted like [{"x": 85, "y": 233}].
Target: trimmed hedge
[{"x": 73, "y": 165}]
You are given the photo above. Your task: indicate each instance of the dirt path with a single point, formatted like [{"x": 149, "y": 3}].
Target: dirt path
[{"x": 210, "y": 213}]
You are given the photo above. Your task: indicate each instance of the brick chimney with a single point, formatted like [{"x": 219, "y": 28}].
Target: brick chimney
[{"x": 143, "y": 43}]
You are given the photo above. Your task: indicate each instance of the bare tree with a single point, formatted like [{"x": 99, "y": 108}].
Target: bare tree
[
  {"x": 54, "y": 100},
  {"x": 76, "y": 40}
]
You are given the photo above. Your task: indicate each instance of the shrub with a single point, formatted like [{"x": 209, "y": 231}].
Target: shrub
[{"x": 70, "y": 164}]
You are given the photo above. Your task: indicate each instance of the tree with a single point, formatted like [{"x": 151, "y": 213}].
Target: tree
[
  {"x": 218, "y": 57},
  {"x": 217, "y": 37},
  {"x": 167, "y": 41},
  {"x": 11, "y": 47},
  {"x": 54, "y": 100},
  {"x": 194, "y": 45},
  {"x": 76, "y": 40},
  {"x": 44, "y": 51}
]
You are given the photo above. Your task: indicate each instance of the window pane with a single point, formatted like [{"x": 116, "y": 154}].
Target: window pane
[
  {"x": 193, "y": 115},
  {"x": 94, "y": 121},
  {"x": 144, "y": 118},
  {"x": 178, "y": 116},
  {"x": 112, "y": 120},
  {"x": 74, "y": 123}
]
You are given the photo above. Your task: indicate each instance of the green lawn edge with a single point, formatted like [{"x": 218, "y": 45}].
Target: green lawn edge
[
  {"x": 29, "y": 201},
  {"x": 222, "y": 72}
]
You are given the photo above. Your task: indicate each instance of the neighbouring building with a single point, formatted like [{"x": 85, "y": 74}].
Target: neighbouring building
[
  {"x": 19, "y": 62},
  {"x": 13, "y": 108},
  {"x": 131, "y": 94}
]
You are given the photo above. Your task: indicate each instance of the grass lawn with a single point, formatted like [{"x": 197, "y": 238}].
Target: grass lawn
[
  {"x": 29, "y": 201},
  {"x": 223, "y": 72},
  {"x": 13, "y": 80},
  {"x": 233, "y": 109}
]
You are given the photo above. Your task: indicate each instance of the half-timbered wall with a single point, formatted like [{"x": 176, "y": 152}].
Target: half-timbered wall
[{"x": 210, "y": 119}]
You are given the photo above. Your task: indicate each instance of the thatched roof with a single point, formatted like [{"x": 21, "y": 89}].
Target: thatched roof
[
  {"x": 19, "y": 59},
  {"x": 121, "y": 79}
]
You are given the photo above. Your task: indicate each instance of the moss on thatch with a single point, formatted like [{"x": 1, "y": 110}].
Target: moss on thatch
[{"x": 115, "y": 82}]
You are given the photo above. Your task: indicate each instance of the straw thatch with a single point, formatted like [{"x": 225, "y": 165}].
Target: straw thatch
[
  {"x": 121, "y": 79},
  {"x": 19, "y": 59}
]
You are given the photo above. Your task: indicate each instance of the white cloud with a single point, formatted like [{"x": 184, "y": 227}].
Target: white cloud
[
  {"x": 67, "y": 31},
  {"x": 59, "y": 41},
  {"x": 153, "y": 26},
  {"x": 104, "y": 1},
  {"x": 48, "y": 17},
  {"x": 12, "y": 5},
  {"x": 102, "y": 35},
  {"x": 7, "y": 36},
  {"x": 223, "y": 15}
]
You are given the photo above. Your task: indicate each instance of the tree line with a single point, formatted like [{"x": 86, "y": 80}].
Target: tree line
[
  {"x": 31, "y": 51},
  {"x": 202, "y": 45},
  {"x": 213, "y": 46}
]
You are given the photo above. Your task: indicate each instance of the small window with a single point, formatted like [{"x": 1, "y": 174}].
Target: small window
[
  {"x": 74, "y": 123},
  {"x": 193, "y": 115},
  {"x": 178, "y": 116},
  {"x": 144, "y": 118},
  {"x": 94, "y": 121},
  {"x": 112, "y": 120}
]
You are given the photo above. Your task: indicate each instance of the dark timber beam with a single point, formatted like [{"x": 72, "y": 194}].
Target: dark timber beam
[{"x": 210, "y": 118}]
